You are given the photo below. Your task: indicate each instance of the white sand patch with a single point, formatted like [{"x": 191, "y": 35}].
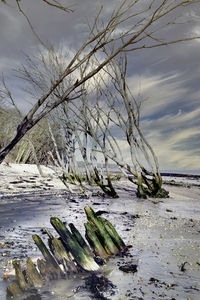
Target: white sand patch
[
  {"x": 25, "y": 168},
  {"x": 26, "y": 177}
]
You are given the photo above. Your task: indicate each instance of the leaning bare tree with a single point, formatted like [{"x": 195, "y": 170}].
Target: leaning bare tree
[
  {"x": 119, "y": 111},
  {"x": 134, "y": 25}
]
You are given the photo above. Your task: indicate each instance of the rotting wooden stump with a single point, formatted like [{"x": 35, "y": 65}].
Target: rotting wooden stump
[
  {"x": 94, "y": 241},
  {"x": 34, "y": 278},
  {"x": 68, "y": 253},
  {"x": 80, "y": 239},
  {"x": 81, "y": 257},
  {"x": 101, "y": 231}
]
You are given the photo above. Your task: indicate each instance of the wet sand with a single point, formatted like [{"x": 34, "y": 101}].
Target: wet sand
[{"x": 164, "y": 235}]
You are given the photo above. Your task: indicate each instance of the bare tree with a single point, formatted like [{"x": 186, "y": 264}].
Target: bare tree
[
  {"x": 123, "y": 112},
  {"x": 141, "y": 25}
]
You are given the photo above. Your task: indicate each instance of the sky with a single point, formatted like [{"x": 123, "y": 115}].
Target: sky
[{"x": 166, "y": 77}]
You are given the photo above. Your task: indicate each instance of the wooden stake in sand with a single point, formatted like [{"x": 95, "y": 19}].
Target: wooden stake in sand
[
  {"x": 82, "y": 258},
  {"x": 94, "y": 241},
  {"x": 34, "y": 278},
  {"x": 100, "y": 229},
  {"x": 80, "y": 239},
  {"x": 20, "y": 276},
  {"x": 113, "y": 233},
  {"x": 13, "y": 290},
  {"x": 52, "y": 266}
]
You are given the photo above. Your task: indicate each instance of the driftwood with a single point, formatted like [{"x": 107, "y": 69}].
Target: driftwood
[{"x": 68, "y": 253}]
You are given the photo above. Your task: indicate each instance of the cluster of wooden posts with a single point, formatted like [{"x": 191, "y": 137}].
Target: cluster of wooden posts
[{"x": 67, "y": 253}]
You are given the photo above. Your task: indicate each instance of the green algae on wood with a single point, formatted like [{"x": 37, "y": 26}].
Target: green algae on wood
[
  {"x": 20, "y": 276},
  {"x": 94, "y": 241},
  {"x": 60, "y": 253},
  {"x": 82, "y": 258},
  {"x": 114, "y": 234},
  {"x": 62, "y": 256},
  {"x": 80, "y": 239},
  {"x": 102, "y": 232}
]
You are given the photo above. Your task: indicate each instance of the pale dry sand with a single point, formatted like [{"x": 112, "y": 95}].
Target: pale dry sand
[{"x": 18, "y": 177}]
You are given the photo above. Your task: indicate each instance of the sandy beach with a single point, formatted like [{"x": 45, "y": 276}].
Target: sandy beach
[{"x": 163, "y": 234}]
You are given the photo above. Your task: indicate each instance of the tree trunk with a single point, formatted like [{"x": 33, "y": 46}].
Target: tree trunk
[
  {"x": 19, "y": 135},
  {"x": 151, "y": 187}
]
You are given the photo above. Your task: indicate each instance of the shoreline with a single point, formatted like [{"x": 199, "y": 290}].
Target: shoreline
[{"x": 26, "y": 176}]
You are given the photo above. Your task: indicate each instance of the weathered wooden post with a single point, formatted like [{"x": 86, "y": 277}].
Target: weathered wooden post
[
  {"x": 70, "y": 250},
  {"x": 59, "y": 251},
  {"x": 20, "y": 276},
  {"x": 102, "y": 232},
  {"x": 34, "y": 279},
  {"x": 52, "y": 266},
  {"x": 114, "y": 234},
  {"x": 80, "y": 239},
  {"x": 94, "y": 241},
  {"x": 13, "y": 290},
  {"x": 82, "y": 258}
]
